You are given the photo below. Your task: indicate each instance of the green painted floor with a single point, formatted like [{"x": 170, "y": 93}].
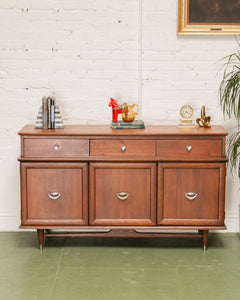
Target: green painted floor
[{"x": 119, "y": 269}]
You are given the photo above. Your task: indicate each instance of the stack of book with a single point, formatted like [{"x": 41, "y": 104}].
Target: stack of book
[
  {"x": 48, "y": 108},
  {"x": 131, "y": 125}
]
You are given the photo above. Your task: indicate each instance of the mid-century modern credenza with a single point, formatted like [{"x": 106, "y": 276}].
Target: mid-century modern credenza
[{"x": 96, "y": 181}]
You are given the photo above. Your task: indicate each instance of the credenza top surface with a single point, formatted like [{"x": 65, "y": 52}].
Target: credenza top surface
[{"x": 106, "y": 130}]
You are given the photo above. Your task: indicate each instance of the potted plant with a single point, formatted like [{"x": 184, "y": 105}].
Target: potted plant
[{"x": 230, "y": 103}]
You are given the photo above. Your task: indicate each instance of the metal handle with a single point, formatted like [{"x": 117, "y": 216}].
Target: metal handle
[
  {"x": 54, "y": 196},
  {"x": 189, "y": 148},
  {"x": 122, "y": 196},
  {"x": 123, "y": 148},
  {"x": 191, "y": 196},
  {"x": 56, "y": 147}
]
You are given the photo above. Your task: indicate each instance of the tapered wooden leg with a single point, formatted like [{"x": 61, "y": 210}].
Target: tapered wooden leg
[
  {"x": 40, "y": 233},
  {"x": 205, "y": 239}
]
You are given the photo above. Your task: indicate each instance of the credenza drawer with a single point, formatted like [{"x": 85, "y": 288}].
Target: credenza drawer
[
  {"x": 55, "y": 147},
  {"x": 55, "y": 193},
  {"x": 189, "y": 148},
  {"x": 122, "y": 147},
  {"x": 122, "y": 194},
  {"x": 191, "y": 193}
]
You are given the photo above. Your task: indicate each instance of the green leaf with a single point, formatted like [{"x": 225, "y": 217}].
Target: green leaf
[
  {"x": 229, "y": 94},
  {"x": 233, "y": 151},
  {"x": 230, "y": 86}
]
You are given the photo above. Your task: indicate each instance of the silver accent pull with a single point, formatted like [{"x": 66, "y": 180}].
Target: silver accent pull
[
  {"x": 56, "y": 147},
  {"x": 191, "y": 196},
  {"x": 122, "y": 196},
  {"x": 54, "y": 196},
  {"x": 189, "y": 148},
  {"x": 123, "y": 148}
]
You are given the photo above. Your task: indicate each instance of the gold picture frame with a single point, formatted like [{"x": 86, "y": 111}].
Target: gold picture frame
[{"x": 220, "y": 17}]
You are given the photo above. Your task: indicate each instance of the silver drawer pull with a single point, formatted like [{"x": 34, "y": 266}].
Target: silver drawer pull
[
  {"x": 191, "y": 196},
  {"x": 123, "y": 148},
  {"x": 122, "y": 196},
  {"x": 189, "y": 148},
  {"x": 54, "y": 196},
  {"x": 56, "y": 147}
]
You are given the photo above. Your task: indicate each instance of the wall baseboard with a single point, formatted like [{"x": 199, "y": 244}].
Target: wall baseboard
[{"x": 9, "y": 220}]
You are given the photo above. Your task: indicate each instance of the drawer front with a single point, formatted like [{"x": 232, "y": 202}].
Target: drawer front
[
  {"x": 189, "y": 148},
  {"x": 122, "y": 194},
  {"x": 55, "y": 147},
  {"x": 191, "y": 194},
  {"x": 122, "y": 147},
  {"x": 54, "y": 194}
]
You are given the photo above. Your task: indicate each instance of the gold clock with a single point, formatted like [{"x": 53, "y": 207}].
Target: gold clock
[{"x": 186, "y": 113}]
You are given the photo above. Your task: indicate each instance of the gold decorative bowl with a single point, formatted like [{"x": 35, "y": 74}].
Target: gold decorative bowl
[{"x": 129, "y": 112}]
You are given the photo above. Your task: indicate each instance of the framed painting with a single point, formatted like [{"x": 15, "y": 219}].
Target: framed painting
[{"x": 208, "y": 17}]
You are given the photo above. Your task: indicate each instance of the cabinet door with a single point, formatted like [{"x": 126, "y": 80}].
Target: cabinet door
[
  {"x": 122, "y": 194},
  {"x": 191, "y": 194},
  {"x": 54, "y": 193}
]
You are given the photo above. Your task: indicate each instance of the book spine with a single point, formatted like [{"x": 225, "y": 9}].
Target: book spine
[
  {"x": 45, "y": 112},
  {"x": 49, "y": 112},
  {"x": 52, "y": 113}
]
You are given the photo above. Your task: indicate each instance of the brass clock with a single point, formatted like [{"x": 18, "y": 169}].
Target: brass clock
[{"x": 186, "y": 113}]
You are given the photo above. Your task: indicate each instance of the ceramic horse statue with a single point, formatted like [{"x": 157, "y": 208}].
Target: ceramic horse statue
[{"x": 116, "y": 109}]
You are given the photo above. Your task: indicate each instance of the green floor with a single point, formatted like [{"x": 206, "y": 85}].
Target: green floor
[{"x": 126, "y": 269}]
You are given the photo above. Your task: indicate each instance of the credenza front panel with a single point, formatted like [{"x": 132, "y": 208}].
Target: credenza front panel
[
  {"x": 189, "y": 148},
  {"x": 122, "y": 194},
  {"x": 191, "y": 193},
  {"x": 55, "y": 147},
  {"x": 122, "y": 147},
  {"x": 54, "y": 193}
]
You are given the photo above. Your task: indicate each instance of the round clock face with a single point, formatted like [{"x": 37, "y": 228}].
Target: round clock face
[{"x": 186, "y": 112}]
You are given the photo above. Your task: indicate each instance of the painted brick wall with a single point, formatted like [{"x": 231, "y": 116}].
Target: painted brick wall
[{"x": 83, "y": 52}]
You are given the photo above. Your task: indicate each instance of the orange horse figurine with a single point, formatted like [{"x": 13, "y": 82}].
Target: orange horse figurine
[{"x": 116, "y": 109}]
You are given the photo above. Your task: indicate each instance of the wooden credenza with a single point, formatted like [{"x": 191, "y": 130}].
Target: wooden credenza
[{"x": 160, "y": 181}]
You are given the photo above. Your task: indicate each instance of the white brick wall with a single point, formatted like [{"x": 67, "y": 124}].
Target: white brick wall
[{"x": 87, "y": 51}]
